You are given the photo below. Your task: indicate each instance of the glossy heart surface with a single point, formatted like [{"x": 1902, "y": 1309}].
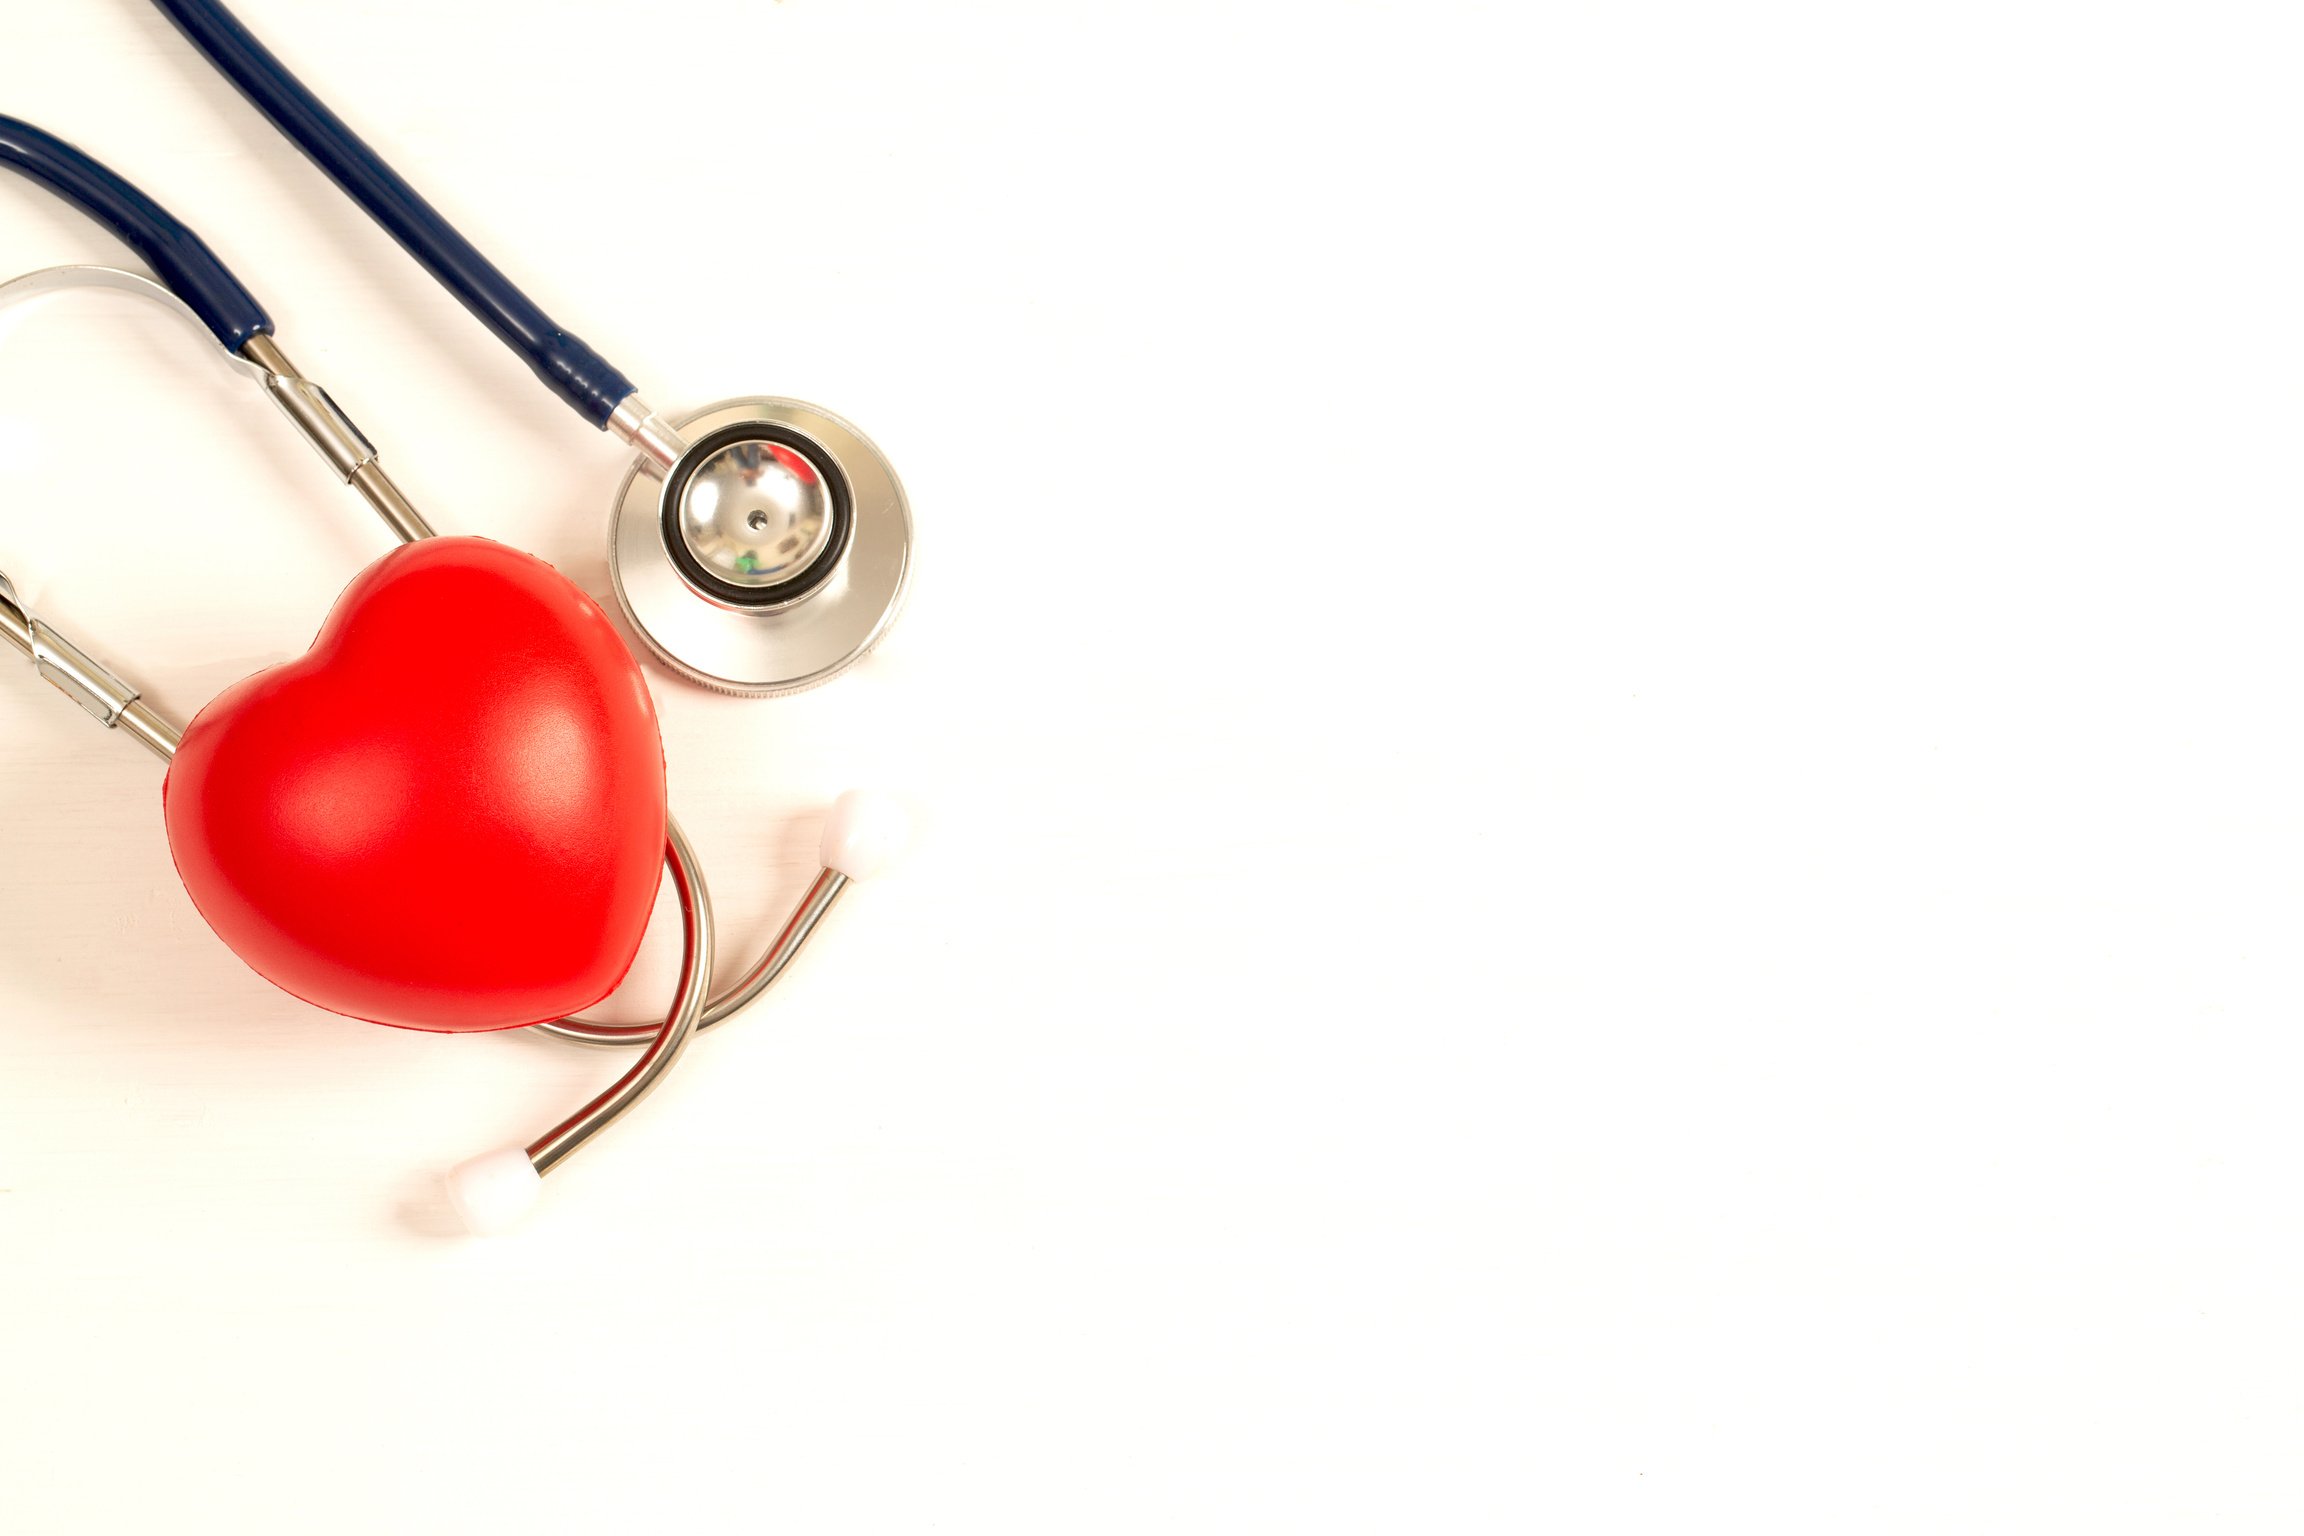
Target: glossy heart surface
[{"x": 449, "y": 814}]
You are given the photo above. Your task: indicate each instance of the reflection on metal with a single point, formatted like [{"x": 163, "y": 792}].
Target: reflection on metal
[
  {"x": 725, "y": 1005},
  {"x": 87, "y": 682},
  {"x": 747, "y": 648}
]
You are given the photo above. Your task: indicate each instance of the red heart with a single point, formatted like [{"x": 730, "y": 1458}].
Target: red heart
[{"x": 449, "y": 814}]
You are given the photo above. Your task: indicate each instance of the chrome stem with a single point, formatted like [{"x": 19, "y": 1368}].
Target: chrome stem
[
  {"x": 15, "y": 623},
  {"x": 87, "y": 682},
  {"x": 152, "y": 731},
  {"x": 671, "y": 1037},
  {"x": 376, "y": 488},
  {"x": 341, "y": 445},
  {"x": 727, "y": 1004},
  {"x": 657, "y": 439}
]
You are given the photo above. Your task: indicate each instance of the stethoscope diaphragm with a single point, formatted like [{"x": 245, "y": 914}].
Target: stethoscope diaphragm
[{"x": 771, "y": 556}]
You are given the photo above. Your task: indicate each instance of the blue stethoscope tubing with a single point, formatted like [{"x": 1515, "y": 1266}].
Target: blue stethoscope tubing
[
  {"x": 570, "y": 369},
  {"x": 183, "y": 261}
]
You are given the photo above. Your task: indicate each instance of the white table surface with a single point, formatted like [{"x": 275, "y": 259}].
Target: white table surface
[{"x": 1603, "y": 707}]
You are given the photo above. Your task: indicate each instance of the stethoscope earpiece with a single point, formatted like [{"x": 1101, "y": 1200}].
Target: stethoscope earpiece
[
  {"x": 493, "y": 1192},
  {"x": 865, "y": 835}
]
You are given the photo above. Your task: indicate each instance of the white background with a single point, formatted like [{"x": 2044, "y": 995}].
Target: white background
[{"x": 1603, "y": 701}]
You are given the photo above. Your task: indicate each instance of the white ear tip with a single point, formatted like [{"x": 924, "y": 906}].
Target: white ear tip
[
  {"x": 493, "y": 1191},
  {"x": 864, "y": 834}
]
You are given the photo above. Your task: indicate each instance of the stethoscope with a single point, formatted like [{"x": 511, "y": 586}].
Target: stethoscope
[{"x": 759, "y": 546}]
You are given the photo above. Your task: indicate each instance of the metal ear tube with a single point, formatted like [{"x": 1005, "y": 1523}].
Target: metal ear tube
[
  {"x": 87, "y": 682},
  {"x": 863, "y": 835}
]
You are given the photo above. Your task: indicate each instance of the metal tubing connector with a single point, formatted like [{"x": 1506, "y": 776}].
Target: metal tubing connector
[
  {"x": 658, "y": 440},
  {"x": 341, "y": 444},
  {"x": 87, "y": 682}
]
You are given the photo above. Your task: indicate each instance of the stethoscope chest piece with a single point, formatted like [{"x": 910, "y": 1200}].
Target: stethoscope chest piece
[{"x": 771, "y": 555}]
